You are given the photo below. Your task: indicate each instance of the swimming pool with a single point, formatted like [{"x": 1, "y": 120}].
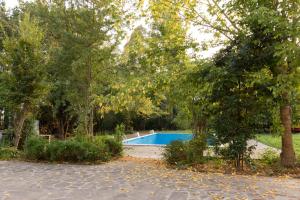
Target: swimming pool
[{"x": 158, "y": 139}]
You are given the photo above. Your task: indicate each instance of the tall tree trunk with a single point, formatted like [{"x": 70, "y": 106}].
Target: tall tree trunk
[
  {"x": 91, "y": 122},
  {"x": 19, "y": 120},
  {"x": 61, "y": 128},
  {"x": 89, "y": 107},
  {"x": 288, "y": 153}
]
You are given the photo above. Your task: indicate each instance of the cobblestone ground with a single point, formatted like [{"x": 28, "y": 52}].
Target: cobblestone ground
[{"x": 133, "y": 180}]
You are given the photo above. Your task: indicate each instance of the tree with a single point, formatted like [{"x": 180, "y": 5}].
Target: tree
[
  {"x": 151, "y": 61},
  {"x": 3, "y": 24},
  {"x": 168, "y": 47},
  {"x": 23, "y": 78},
  {"x": 82, "y": 37},
  {"x": 192, "y": 92},
  {"x": 279, "y": 21},
  {"x": 240, "y": 93}
]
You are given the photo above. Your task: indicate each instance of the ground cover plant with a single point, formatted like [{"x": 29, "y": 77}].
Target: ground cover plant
[
  {"x": 77, "y": 149},
  {"x": 9, "y": 153}
]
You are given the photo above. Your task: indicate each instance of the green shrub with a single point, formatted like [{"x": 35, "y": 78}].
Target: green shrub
[
  {"x": 7, "y": 138},
  {"x": 55, "y": 151},
  {"x": 176, "y": 153},
  {"x": 97, "y": 151},
  {"x": 35, "y": 148},
  {"x": 196, "y": 147},
  {"x": 114, "y": 146},
  {"x": 182, "y": 153},
  {"x": 120, "y": 131},
  {"x": 77, "y": 149},
  {"x": 8, "y": 153},
  {"x": 270, "y": 157}
]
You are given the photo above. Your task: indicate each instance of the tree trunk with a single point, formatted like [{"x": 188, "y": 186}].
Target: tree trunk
[
  {"x": 89, "y": 107},
  {"x": 91, "y": 122},
  {"x": 67, "y": 128},
  {"x": 61, "y": 128},
  {"x": 18, "y": 125},
  {"x": 287, "y": 151}
]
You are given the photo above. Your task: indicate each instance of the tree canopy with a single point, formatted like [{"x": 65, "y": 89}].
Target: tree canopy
[{"x": 82, "y": 66}]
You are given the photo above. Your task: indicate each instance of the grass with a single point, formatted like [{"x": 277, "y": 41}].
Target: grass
[
  {"x": 275, "y": 141},
  {"x": 9, "y": 153}
]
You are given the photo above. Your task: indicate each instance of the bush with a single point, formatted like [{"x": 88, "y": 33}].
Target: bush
[
  {"x": 182, "y": 153},
  {"x": 7, "y": 138},
  {"x": 114, "y": 146},
  {"x": 176, "y": 153},
  {"x": 8, "y": 153},
  {"x": 77, "y": 149},
  {"x": 196, "y": 148},
  {"x": 55, "y": 151},
  {"x": 270, "y": 157},
  {"x": 120, "y": 131},
  {"x": 35, "y": 148}
]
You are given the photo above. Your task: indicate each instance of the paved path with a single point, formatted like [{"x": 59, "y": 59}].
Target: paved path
[
  {"x": 135, "y": 181},
  {"x": 261, "y": 148},
  {"x": 156, "y": 152}
]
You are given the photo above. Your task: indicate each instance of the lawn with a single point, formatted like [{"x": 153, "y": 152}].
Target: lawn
[{"x": 275, "y": 141}]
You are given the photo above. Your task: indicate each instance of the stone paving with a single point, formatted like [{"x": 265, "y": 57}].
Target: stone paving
[
  {"x": 156, "y": 152},
  {"x": 133, "y": 180}
]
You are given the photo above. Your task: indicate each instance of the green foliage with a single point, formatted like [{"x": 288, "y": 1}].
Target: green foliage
[
  {"x": 176, "y": 153},
  {"x": 82, "y": 40},
  {"x": 241, "y": 96},
  {"x": 183, "y": 119},
  {"x": 77, "y": 149},
  {"x": 8, "y": 153},
  {"x": 7, "y": 137},
  {"x": 114, "y": 146},
  {"x": 263, "y": 36},
  {"x": 35, "y": 148},
  {"x": 270, "y": 157},
  {"x": 63, "y": 60},
  {"x": 296, "y": 108},
  {"x": 181, "y": 153},
  {"x": 23, "y": 76},
  {"x": 120, "y": 132},
  {"x": 196, "y": 148},
  {"x": 275, "y": 141},
  {"x": 23, "y": 59},
  {"x": 197, "y": 89}
]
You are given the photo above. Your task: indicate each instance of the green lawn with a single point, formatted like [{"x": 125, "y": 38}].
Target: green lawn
[{"x": 275, "y": 141}]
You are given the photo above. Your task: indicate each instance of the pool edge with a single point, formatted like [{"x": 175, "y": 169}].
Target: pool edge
[{"x": 155, "y": 145}]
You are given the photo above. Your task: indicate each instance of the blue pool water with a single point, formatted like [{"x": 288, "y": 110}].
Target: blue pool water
[{"x": 158, "y": 139}]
